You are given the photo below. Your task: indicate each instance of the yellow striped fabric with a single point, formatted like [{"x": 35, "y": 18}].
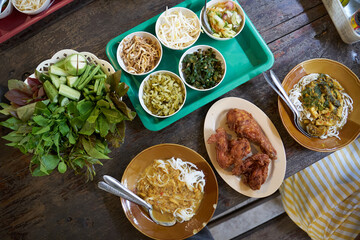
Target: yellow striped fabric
[{"x": 324, "y": 198}]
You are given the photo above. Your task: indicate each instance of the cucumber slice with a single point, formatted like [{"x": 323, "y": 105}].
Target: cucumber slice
[
  {"x": 62, "y": 80},
  {"x": 69, "y": 92},
  {"x": 75, "y": 64},
  {"x": 42, "y": 76},
  {"x": 51, "y": 91},
  {"x": 71, "y": 80},
  {"x": 55, "y": 80},
  {"x": 63, "y": 101},
  {"x": 58, "y": 71}
]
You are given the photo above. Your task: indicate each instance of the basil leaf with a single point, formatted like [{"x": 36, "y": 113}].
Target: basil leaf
[
  {"x": 12, "y": 123},
  {"x": 49, "y": 161},
  {"x": 64, "y": 128},
  {"x": 88, "y": 128},
  {"x": 92, "y": 150},
  {"x": 38, "y": 173},
  {"x": 113, "y": 116},
  {"x": 40, "y": 120},
  {"x": 103, "y": 125},
  {"x": 85, "y": 107}
]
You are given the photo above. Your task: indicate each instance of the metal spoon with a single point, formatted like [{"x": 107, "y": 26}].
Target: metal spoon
[
  {"x": 276, "y": 85},
  {"x": 205, "y": 20},
  {"x": 113, "y": 186}
]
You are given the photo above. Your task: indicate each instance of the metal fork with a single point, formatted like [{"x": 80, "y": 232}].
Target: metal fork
[{"x": 278, "y": 88}]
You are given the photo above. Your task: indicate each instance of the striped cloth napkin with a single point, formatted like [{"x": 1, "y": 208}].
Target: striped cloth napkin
[{"x": 324, "y": 198}]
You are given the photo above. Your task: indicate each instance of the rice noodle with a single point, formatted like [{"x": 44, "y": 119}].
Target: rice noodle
[
  {"x": 295, "y": 93},
  {"x": 173, "y": 186}
]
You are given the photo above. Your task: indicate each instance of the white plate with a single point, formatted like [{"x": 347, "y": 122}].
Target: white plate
[{"x": 216, "y": 117}]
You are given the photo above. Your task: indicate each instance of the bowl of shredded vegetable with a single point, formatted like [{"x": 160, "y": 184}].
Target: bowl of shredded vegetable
[
  {"x": 178, "y": 28},
  {"x": 139, "y": 53},
  {"x": 31, "y": 7},
  {"x": 225, "y": 17},
  {"x": 162, "y": 94},
  {"x": 202, "y": 68}
]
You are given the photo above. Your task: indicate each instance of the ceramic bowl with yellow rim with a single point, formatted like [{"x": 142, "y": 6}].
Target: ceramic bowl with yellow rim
[
  {"x": 139, "y": 217},
  {"x": 351, "y": 84}
]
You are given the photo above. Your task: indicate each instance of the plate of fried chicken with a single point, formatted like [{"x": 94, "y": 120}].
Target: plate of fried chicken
[{"x": 244, "y": 147}]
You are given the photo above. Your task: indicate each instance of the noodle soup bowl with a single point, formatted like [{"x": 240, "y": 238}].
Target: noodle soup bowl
[
  {"x": 46, "y": 4},
  {"x": 185, "y": 12},
  {"x": 351, "y": 84},
  {"x": 140, "y": 218},
  {"x": 181, "y": 90},
  {"x": 142, "y": 34}
]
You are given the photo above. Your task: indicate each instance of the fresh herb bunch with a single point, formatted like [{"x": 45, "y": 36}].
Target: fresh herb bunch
[
  {"x": 72, "y": 128},
  {"x": 202, "y": 69}
]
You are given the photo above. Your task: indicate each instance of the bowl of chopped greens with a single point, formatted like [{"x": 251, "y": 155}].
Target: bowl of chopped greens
[
  {"x": 225, "y": 17},
  {"x": 162, "y": 94},
  {"x": 202, "y": 68}
]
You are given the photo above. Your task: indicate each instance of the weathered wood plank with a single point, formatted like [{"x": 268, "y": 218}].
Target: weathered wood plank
[{"x": 64, "y": 206}]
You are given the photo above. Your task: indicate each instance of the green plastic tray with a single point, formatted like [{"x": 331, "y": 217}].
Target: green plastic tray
[{"x": 246, "y": 56}]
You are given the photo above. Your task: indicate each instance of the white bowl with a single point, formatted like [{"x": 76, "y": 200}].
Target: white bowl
[
  {"x": 43, "y": 7},
  {"x": 7, "y": 11},
  {"x": 129, "y": 37},
  {"x": 194, "y": 49},
  {"x": 141, "y": 92},
  {"x": 240, "y": 10},
  {"x": 187, "y": 13}
]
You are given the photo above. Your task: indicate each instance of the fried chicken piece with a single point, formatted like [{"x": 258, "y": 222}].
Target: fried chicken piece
[
  {"x": 246, "y": 126},
  {"x": 222, "y": 140},
  {"x": 239, "y": 149},
  {"x": 255, "y": 170},
  {"x": 229, "y": 151}
]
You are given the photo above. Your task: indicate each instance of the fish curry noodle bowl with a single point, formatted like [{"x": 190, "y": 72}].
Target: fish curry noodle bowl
[
  {"x": 178, "y": 28},
  {"x": 162, "y": 94},
  {"x": 226, "y": 19},
  {"x": 139, "y": 53},
  {"x": 140, "y": 218},
  {"x": 351, "y": 85}
]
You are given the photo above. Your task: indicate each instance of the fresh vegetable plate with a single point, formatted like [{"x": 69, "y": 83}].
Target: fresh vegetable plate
[{"x": 246, "y": 56}]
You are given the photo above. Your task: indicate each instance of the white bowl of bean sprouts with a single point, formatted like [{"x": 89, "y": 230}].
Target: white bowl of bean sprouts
[
  {"x": 178, "y": 28},
  {"x": 31, "y": 7}
]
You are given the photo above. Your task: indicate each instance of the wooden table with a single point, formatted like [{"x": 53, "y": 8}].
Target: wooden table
[{"x": 65, "y": 206}]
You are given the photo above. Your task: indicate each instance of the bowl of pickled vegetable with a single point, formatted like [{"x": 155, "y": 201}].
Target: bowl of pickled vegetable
[
  {"x": 202, "y": 68},
  {"x": 225, "y": 17},
  {"x": 162, "y": 94}
]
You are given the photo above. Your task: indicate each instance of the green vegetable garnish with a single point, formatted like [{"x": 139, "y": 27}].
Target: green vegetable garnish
[
  {"x": 72, "y": 128},
  {"x": 202, "y": 69}
]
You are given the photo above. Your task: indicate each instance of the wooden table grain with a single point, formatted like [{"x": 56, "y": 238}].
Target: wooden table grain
[{"x": 64, "y": 206}]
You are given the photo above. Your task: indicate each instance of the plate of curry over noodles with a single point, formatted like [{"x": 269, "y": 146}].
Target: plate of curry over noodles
[
  {"x": 178, "y": 183},
  {"x": 325, "y": 93}
]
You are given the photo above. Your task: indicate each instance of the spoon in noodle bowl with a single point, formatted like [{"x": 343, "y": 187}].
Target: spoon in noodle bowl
[
  {"x": 275, "y": 84},
  {"x": 113, "y": 186}
]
